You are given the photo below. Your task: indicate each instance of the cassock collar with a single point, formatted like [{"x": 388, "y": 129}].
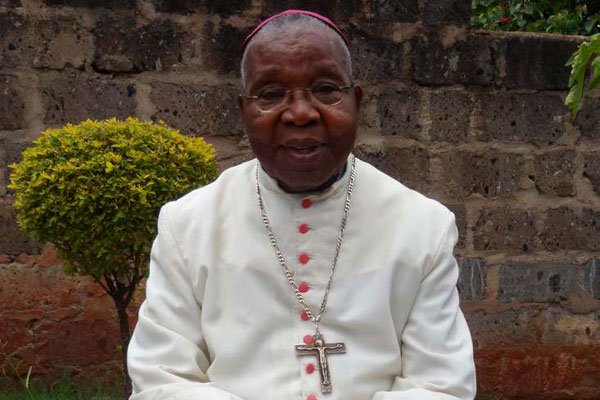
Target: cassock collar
[{"x": 266, "y": 182}]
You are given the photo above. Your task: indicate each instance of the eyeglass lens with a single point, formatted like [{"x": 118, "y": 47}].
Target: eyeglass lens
[{"x": 273, "y": 98}]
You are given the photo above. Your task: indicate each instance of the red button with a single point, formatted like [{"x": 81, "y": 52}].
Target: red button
[
  {"x": 306, "y": 203},
  {"x": 308, "y": 339},
  {"x": 303, "y": 228},
  {"x": 310, "y": 368},
  {"x": 311, "y": 397},
  {"x": 304, "y": 316},
  {"x": 303, "y": 287},
  {"x": 303, "y": 258}
]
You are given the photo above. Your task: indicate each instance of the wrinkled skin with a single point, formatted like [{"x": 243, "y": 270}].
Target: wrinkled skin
[{"x": 304, "y": 146}]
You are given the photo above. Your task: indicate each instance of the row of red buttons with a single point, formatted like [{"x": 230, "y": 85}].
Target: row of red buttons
[
  {"x": 303, "y": 287},
  {"x": 303, "y": 258}
]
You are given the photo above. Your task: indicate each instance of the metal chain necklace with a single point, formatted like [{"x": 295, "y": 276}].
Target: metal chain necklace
[{"x": 319, "y": 347}]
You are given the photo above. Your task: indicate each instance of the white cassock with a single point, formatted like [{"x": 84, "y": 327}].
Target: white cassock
[{"x": 220, "y": 320}]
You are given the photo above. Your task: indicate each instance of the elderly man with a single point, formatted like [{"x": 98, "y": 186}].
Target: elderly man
[{"x": 304, "y": 274}]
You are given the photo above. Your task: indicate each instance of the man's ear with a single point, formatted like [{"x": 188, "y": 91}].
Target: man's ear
[{"x": 358, "y": 94}]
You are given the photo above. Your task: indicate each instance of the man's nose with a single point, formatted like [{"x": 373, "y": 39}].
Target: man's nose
[{"x": 300, "y": 110}]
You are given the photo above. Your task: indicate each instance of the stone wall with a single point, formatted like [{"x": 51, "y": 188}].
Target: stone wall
[{"x": 472, "y": 118}]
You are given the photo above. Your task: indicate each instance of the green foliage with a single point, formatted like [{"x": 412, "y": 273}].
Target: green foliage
[
  {"x": 62, "y": 392},
  {"x": 63, "y": 389},
  {"x": 569, "y": 17},
  {"x": 94, "y": 189},
  {"x": 587, "y": 55}
]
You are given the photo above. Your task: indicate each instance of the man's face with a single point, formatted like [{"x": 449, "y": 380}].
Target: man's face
[{"x": 303, "y": 145}]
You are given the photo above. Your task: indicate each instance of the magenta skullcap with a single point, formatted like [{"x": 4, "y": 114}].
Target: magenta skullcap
[{"x": 320, "y": 17}]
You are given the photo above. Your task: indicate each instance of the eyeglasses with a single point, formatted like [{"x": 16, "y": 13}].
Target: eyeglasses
[{"x": 277, "y": 98}]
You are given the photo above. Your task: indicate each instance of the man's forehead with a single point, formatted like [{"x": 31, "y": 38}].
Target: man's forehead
[
  {"x": 300, "y": 45},
  {"x": 295, "y": 44},
  {"x": 271, "y": 69},
  {"x": 295, "y": 39},
  {"x": 320, "y": 54}
]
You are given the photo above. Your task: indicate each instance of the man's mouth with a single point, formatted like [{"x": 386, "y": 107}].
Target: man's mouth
[
  {"x": 302, "y": 145},
  {"x": 304, "y": 149}
]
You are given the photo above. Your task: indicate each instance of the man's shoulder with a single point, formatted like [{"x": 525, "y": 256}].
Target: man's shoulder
[
  {"x": 386, "y": 192},
  {"x": 234, "y": 180}
]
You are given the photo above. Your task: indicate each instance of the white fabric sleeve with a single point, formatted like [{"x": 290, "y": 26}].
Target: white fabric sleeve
[
  {"x": 167, "y": 355},
  {"x": 437, "y": 351}
]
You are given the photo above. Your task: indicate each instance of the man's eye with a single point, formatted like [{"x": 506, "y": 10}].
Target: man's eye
[
  {"x": 272, "y": 95},
  {"x": 324, "y": 89}
]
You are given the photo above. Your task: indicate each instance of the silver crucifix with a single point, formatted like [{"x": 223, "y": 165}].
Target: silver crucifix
[{"x": 321, "y": 349}]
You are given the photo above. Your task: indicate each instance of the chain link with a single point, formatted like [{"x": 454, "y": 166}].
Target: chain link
[{"x": 316, "y": 319}]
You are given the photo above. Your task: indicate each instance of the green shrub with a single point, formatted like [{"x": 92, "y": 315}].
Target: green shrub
[
  {"x": 569, "y": 17},
  {"x": 94, "y": 191},
  {"x": 586, "y": 56}
]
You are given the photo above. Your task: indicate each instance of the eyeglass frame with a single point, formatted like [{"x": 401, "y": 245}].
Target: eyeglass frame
[{"x": 288, "y": 93}]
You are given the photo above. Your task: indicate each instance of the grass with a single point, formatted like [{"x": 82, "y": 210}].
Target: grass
[
  {"x": 68, "y": 390},
  {"x": 65, "y": 389}
]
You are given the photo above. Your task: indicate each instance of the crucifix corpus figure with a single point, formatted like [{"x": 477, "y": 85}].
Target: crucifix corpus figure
[
  {"x": 321, "y": 349},
  {"x": 305, "y": 238}
]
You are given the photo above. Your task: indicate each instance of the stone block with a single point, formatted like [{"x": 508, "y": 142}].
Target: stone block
[
  {"x": 538, "y": 62},
  {"x": 111, "y": 4},
  {"x": 460, "y": 213},
  {"x": 502, "y": 328},
  {"x": 47, "y": 293},
  {"x": 43, "y": 43},
  {"x": 31, "y": 288},
  {"x": 223, "y": 7},
  {"x": 97, "y": 338},
  {"x": 571, "y": 229},
  {"x": 197, "y": 109},
  {"x": 471, "y": 61},
  {"x": 542, "y": 282},
  {"x": 588, "y": 119},
  {"x": 221, "y": 48},
  {"x": 73, "y": 98},
  {"x": 226, "y": 7},
  {"x": 393, "y": 11},
  {"x": 447, "y": 12},
  {"x": 561, "y": 328},
  {"x": 591, "y": 277},
  {"x": 400, "y": 114},
  {"x": 10, "y": 152},
  {"x": 12, "y": 106},
  {"x": 16, "y": 336},
  {"x": 538, "y": 372},
  {"x": 12, "y": 240},
  {"x": 505, "y": 228},
  {"x": 11, "y": 149},
  {"x": 123, "y": 46},
  {"x": 491, "y": 174},
  {"x": 591, "y": 170},
  {"x": 409, "y": 165},
  {"x": 10, "y": 3},
  {"x": 554, "y": 172},
  {"x": 374, "y": 58},
  {"x": 48, "y": 311},
  {"x": 450, "y": 114},
  {"x": 523, "y": 117},
  {"x": 338, "y": 10},
  {"x": 472, "y": 279},
  {"x": 13, "y": 32}
]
